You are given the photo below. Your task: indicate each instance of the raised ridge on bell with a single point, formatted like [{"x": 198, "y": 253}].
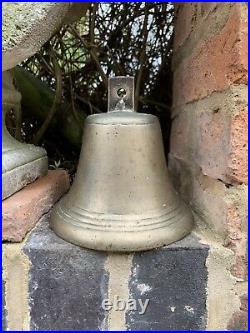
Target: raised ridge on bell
[{"x": 107, "y": 222}]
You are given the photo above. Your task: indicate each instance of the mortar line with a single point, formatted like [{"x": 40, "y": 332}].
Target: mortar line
[
  {"x": 16, "y": 267},
  {"x": 221, "y": 300},
  {"x": 119, "y": 268}
]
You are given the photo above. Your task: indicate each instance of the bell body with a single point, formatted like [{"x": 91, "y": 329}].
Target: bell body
[{"x": 121, "y": 198}]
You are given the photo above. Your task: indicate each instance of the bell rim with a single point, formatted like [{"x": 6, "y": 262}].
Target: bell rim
[{"x": 118, "y": 240}]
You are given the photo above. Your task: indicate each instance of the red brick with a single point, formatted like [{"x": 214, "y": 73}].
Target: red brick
[
  {"x": 237, "y": 240},
  {"x": 238, "y": 159},
  {"x": 207, "y": 8},
  {"x": 22, "y": 211},
  {"x": 222, "y": 146},
  {"x": 184, "y": 22},
  {"x": 238, "y": 322},
  {"x": 205, "y": 195},
  {"x": 244, "y": 302},
  {"x": 212, "y": 139},
  {"x": 214, "y": 133},
  {"x": 181, "y": 131},
  {"x": 215, "y": 63},
  {"x": 188, "y": 18},
  {"x": 223, "y": 209}
]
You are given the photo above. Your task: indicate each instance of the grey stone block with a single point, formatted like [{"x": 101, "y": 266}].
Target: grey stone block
[
  {"x": 174, "y": 280},
  {"x": 4, "y": 311},
  {"x": 66, "y": 283}
]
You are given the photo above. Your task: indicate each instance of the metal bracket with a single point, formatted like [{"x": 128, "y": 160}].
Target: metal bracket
[{"x": 121, "y": 93}]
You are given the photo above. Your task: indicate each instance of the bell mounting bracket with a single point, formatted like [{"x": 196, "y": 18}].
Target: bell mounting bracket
[{"x": 121, "y": 94}]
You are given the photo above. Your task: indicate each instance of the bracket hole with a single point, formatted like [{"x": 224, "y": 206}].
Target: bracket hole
[{"x": 121, "y": 92}]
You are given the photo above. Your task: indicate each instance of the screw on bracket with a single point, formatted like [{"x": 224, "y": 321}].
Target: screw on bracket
[{"x": 121, "y": 94}]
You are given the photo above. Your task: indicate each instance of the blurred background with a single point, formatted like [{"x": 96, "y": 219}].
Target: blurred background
[{"x": 67, "y": 80}]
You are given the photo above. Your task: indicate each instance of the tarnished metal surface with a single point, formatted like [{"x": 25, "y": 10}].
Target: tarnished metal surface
[{"x": 122, "y": 198}]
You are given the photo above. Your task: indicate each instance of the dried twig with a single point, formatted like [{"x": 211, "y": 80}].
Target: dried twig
[
  {"x": 156, "y": 103},
  {"x": 91, "y": 106},
  {"x": 112, "y": 39},
  {"x": 76, "y": 115},
  {"x": 142, "y": 58},
  {"x": 93, "y": 55},
  {"x": 56, "y": 102}
]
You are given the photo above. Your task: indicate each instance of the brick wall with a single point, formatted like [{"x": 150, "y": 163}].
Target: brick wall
[{"x": 209, "y": 137}]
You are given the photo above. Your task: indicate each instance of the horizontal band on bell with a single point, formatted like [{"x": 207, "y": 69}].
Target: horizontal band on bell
[
  {"x": 122, "y": 240},
  {"x": 115, "y": 223}
]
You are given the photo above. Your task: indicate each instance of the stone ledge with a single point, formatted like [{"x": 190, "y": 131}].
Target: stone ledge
[
  {"x": 66, "y": 285},
  {"x": 22, "y": 210},
  {"x": 174, "y": 279}
]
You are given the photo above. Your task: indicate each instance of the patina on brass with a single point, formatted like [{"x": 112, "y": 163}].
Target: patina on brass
[{"x": 122, "y": 198}]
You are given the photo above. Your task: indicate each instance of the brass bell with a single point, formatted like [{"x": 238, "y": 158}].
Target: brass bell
[{"x": 121, "y": 199}]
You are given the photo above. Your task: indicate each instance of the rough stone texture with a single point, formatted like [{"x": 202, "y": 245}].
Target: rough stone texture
[
  {"x": 213, "y": 133},
  {"x": 21, "y": 211},
  {"x": 4, "y": 311},
  {"x": 209, "y": 139},
  {"x": 190, "y": 17},
  {"x": 28, "y": 25},
  {"x": 184, "y": 22},
  {"x": 239, "y": 321},
  {"x": 54, "y": 285},
  {"x": 66, "y": 283},
  {"x": 203, "y": 21},
  {"x": 15, "y": 179},
  {"x": 216, "y": 62},
  {"x": 21, "y": 163},
  {"x": 174, "y": 280},
  {"x": 221, "y": 207},
  {"x": 238, "y": 164}
]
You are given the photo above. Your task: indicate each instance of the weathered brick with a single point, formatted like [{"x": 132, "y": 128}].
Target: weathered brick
[
  {"x": 212, "y": 138},
  {"x": 222, "y": 145},
  {"x": 244, "y": 302},
  {"x": 213, "y": 133},
  {"x": 189, "y": 17},
  {"x": 182, "y": 144},
  {"x": 53, "y": 285},
  {"x": 208, "y": 20},
  {"x": 21, "y": 211},
  {"x": 215, "y": 63},
  {"x": 66, "y": 283},
  {"x": 236, "y": 220},
  {"x": 207, "y": 7},
  {"x": 238, "y": 164},
  {"x": 205, "y": 195},
  {"x": 184, "y": 22},
  {"x": 222, "y": 208},
  {"x": 4, "y": 310},
  {"x": 239, "y": 322},
  {"x": 182, "y": 264}
]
